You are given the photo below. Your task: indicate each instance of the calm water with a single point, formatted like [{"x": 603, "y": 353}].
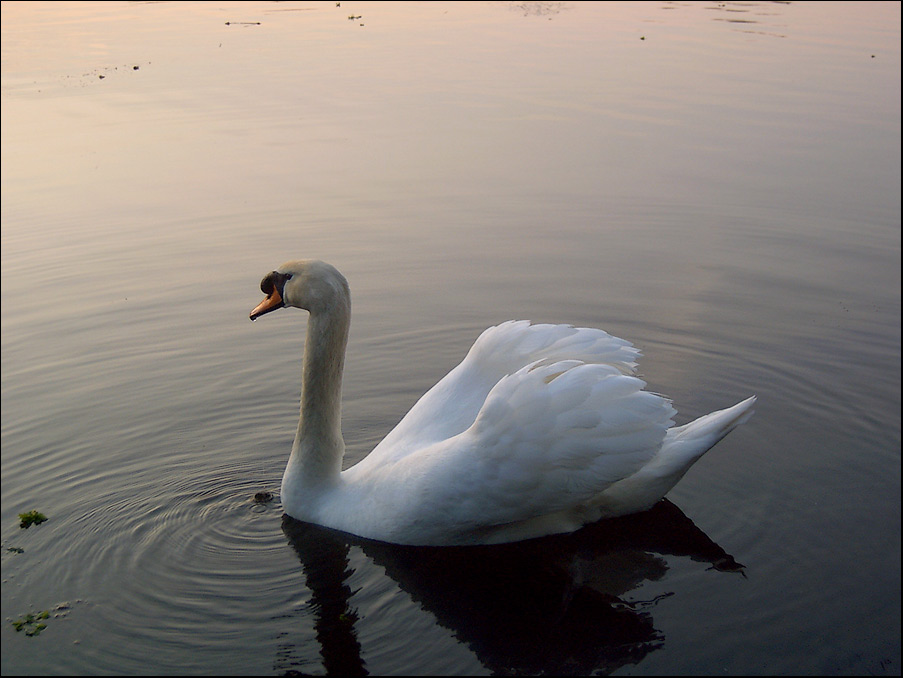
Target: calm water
[{"x": 717, "y": 182}]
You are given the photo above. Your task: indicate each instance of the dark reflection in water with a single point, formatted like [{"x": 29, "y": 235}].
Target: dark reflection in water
[
  {"x": 554, "y": 605},
  {"x": 324, "y": 558}
]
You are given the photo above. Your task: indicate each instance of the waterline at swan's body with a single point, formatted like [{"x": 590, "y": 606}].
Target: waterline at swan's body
[{"x": 540, "y": 430}]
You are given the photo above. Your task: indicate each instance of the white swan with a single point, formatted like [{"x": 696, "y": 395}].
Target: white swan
[{"x": 541, "y": 429}]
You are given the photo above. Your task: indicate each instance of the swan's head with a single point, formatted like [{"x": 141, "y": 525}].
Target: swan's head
[{"x": 312, "y": 285}]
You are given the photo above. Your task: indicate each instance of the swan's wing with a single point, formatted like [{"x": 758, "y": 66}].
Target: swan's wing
[
  {"x": 549, "y": 438},
  {"x": 557, "y": 433},
  {"x": 452, "y": 405}
]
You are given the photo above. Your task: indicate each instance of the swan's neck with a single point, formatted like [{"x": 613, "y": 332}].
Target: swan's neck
[{"x": 319, "y": 447}]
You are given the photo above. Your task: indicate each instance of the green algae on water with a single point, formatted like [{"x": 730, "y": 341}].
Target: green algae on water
[
  {"x": 31, "y": 518},
  {"x": 32, "y": 624}
]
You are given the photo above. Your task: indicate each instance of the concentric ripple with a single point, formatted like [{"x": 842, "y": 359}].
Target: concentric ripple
[{"x": 179, "y": 565}]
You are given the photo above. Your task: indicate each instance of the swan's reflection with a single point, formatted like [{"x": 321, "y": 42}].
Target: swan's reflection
[{"x": 546, "y": 606}]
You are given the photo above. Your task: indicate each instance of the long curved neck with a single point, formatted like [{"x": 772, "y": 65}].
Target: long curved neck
[{"x": 319, "y": 446}]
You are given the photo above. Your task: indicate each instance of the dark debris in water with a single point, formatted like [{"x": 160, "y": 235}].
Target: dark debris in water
[{"x": 263, "y": 497}]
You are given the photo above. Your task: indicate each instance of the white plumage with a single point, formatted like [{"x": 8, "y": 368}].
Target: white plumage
[{"x": 540, "y": 430}]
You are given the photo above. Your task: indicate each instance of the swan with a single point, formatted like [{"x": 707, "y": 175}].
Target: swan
[{"x": 540, "y": 430}]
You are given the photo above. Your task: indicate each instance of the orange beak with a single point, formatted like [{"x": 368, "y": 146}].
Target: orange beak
[{"x": 271, "y": 303}]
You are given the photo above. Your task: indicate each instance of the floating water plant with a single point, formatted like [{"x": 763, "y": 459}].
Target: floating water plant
[
  {"x": 32, "y": 624},
  {"x": 31, "y": 518}
]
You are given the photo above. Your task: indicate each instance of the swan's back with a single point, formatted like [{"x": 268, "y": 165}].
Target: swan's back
[{"x": 537, "y": 420}]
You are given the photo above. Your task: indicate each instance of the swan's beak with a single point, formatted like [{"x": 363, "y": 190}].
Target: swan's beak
[{"x": 271, "y": 303}]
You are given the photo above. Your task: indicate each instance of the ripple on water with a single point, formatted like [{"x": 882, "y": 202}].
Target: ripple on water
[{"x": 174, "y": 563}]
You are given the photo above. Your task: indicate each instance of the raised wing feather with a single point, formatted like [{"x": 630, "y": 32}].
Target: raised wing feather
[{"x": 452, "y": 405}]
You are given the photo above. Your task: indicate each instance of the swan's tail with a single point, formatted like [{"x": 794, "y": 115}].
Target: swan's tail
[
  {"x": 685, "y": 444},
  {"x": 682, "y": 446}
]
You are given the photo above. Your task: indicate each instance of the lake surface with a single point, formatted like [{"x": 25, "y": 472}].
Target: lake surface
[{"x": 718, "y": 183}]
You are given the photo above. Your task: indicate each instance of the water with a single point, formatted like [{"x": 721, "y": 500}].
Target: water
[{"x": 717, "y": 182}]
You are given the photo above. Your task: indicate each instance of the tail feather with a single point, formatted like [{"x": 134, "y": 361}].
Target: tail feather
[
  {"x": 692, "y": 440},
  {"x": 682, "y": 446}
]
